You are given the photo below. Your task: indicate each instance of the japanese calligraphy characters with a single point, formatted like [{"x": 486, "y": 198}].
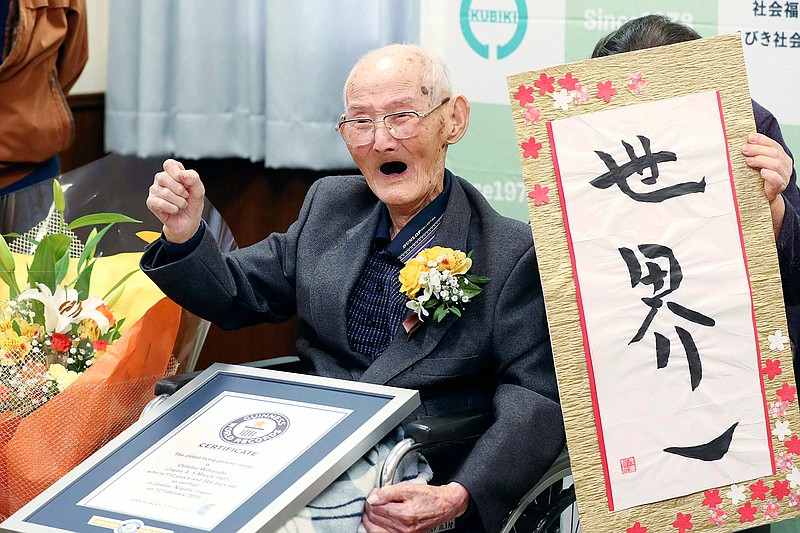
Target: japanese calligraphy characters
[
  {"x": 664, "y": 298},
  {"x": 618, "y": 175},
  {"x": 655, "y": 277}
]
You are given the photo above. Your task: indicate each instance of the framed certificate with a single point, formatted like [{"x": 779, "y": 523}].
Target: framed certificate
[{"x": 237, "y": 449}]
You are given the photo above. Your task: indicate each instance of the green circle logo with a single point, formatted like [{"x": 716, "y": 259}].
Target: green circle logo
[{"x": 471, "y": 15}]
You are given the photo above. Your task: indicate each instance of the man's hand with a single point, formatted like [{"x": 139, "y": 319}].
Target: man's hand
[
  {"x": 408, "y": 507},
  {"x": 775, "y": 167},
  {"x": 176, "y": 198}
]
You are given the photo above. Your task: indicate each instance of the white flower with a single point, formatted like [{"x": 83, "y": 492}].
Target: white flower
[
  {"x": 777, "y": 341},
  {"x": 794, "y": 477},
  {"x": 63, "y": 308},
  {"x": 435, "y": 282},
  {"x": 418, "y": 308},
  {"x": 781, "y": 429},
  {"x": 736, "y": 494},
  {"x": 561, "y": 100}
]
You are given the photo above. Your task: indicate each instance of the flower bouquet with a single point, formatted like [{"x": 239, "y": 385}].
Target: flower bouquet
[{"x": 72, "y": 375}]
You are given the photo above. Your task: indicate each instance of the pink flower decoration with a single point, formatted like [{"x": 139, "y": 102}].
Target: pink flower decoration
[
  {"x": 785, "y": 461},
  {"x": 580, "y": 95},
  {"x": 770, "y": 510},
  {"x": 531, "y": 115},
  {"x": 524, "y": 95},
  {"x": 606, "y": 91},
  {"x": 568, "y": 82},
  {"x": 636, "y": 83},
  {"x": 794, "y": 498},
  {"x": 717, "y": 515},
  {"x": 530, "y": 148},
  {"x": 544, "y": 84},
  {"x": 777, "y": 409},
  {"x": 539, "y": 194}
]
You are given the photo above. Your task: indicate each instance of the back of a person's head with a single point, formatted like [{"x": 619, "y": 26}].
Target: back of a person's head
[{"x": 649, "y": 31}]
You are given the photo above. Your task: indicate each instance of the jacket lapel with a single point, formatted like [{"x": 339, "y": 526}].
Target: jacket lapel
[
  {"x": 336, "y": 275},
  {"x": 403, "y": 353}
]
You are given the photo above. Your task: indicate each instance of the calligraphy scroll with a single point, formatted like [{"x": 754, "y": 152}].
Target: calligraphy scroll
[{"x": 662, "y": 289}]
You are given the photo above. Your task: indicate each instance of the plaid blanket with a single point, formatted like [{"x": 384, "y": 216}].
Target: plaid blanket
[{"x": 338, "y": 508}]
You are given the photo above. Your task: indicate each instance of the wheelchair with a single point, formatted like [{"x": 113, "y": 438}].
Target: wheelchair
[{"x": 548, "y": 507}]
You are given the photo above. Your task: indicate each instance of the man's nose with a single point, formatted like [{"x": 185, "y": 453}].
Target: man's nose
[{"x": 383, "y": 138}]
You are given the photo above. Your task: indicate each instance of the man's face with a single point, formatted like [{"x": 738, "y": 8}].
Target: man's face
[{"x": 404, "y": 174}]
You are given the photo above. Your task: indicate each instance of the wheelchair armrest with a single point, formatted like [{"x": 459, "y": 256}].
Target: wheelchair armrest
[
  {"x": 435, "y": 430},
  {"x": 448, "y": 428},
  {"x": 291, "y": 363}
]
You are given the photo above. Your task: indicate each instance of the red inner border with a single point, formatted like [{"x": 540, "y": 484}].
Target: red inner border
[{"x": 586, "y": 349}]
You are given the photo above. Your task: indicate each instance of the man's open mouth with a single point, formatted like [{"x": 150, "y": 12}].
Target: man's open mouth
[{"x": 393, "y": 167}]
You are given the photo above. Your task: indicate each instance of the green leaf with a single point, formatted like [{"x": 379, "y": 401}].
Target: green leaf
[
  {"x": 114, "y": 295},
  {"x": 9, "y": 279},
  {"x": 471, "y": 290},
  {"x": 83, "y": 280},
  {"x": 456, "y": 311},
  {"x": 91, "y": 245},
  {"x": 58, "y": 197},
  {"x": 6, "y": 259},
  {"x": 48, "y": 253},
  {"x": 119, "y": 283},
  {"x": 15, "y": 327},
  {"x": 430, "y": 302},
  {"x": 474, "y": 278},
  {"x": 62, "y": 265},
  {"x": 23, "y": 237},
  {"x": 440, "y": 313},
  {"x": 100, "y": 218}
]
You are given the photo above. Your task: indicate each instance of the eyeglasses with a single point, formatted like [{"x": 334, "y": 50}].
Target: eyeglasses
[{"x": 401, "y": 125}]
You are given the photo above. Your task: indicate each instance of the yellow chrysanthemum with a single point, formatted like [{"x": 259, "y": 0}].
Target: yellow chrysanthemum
[
  {"x": 455, "y": 261},
  {"x": 409, "y": 276}
]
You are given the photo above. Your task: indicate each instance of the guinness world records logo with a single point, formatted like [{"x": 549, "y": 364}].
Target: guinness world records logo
[
  {"x": 470, "y": 14},
  {"x": 254, "y": 428}
]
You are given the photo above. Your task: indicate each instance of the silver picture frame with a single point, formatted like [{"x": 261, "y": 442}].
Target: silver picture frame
[{"x": 337, "y": 422}]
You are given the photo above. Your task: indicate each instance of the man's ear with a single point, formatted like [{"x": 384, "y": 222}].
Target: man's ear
[{"x": 458, "y": 118}]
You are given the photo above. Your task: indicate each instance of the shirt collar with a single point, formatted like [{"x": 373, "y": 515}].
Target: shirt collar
[{"x": 418, "y": 228}]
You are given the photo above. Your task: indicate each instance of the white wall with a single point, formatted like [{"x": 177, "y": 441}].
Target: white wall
[{"x": 94, "y": 78}]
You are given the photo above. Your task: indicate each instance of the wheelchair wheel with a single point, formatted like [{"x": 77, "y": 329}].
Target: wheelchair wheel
[
  {"x": 554, "y": 511},
  {"x": 549, "y": 507}
]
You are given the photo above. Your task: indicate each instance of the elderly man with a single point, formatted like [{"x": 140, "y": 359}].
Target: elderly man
[{"x": 337, "y": 268}]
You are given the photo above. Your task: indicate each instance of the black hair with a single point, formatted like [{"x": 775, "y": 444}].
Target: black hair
[{"x": 648, "y": 31}]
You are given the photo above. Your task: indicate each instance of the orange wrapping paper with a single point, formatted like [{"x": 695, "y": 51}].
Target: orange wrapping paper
[{"x": 38, "y": 450}]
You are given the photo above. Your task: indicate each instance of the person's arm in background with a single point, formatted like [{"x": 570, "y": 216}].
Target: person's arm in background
[{"x": 766, "y": 151}]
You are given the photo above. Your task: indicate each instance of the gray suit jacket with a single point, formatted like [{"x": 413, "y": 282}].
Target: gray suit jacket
[{"x": 496, "y": 355}]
